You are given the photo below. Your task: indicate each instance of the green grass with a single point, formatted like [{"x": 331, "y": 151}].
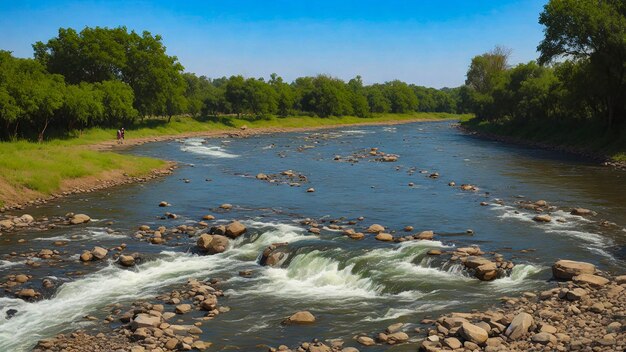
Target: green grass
[
  {"x": 43, "y": 167},
  {"x": 586, "y": 137}
]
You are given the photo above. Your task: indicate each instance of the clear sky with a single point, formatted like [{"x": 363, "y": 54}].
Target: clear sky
[{"x": 425, "y": 42}]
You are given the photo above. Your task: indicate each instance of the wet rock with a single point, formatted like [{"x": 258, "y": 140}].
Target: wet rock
[
  {"x": 218, "y": 230},
  {"x": 519, "y": 326},
  {"x": 27, "y": 293},
  {"x": 226, "y": 206},
  {"x": 310, "y": 190},
  {"x": 261, "y": 176},
  {"x": 79, "y": 219},
  {"x": 126, "y": 260},
  {"x": 365, "y": 341},
  {"x": 434, "y": 252},
  {"x": 164, "y": 204},
  {"x": 486, "y": 272},
  {"x": 542, "y": 218},
  {"x": 581, "y": 212},
  {"x": 302, "y": 317},
  {"x": 208, "y": 217},
  {"x": 183, "y": 308},
  {"x": 473, "y": 333},
  {"x": 235, "y": 229},
  {"x": 567, "y": 269},
  {"x": 375, "y": 228},
  {"x": 385, "y": 237},
  {"x": 21, "y": 278},
  {"x": 212, "y": 244},
  {"x": 99, "y": 252},
  {"x": 425, "y": 235},
  {"x": 86, "y": 256}
]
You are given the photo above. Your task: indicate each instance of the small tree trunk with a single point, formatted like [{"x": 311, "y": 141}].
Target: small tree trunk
[
  {"x": 17, "y": 123},
  {"x": 40, "y": 138}
]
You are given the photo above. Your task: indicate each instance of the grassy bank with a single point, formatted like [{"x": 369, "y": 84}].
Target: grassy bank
[
  {"x": 581, "y": 137},
  {"x": 30, "y": 170}
]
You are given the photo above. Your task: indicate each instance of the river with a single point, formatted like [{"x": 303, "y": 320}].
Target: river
[{"x": 351, "y": 286}]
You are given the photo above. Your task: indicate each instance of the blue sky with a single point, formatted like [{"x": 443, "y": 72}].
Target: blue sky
[{"x": 425, "y": 42}]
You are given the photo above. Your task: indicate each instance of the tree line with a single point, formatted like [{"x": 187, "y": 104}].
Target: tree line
[
  {"x": 580, "y": 75},
  {"x": 110, "y": 77}
]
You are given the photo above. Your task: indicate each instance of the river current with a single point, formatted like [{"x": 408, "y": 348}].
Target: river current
[{"x": 351, "y": 286}]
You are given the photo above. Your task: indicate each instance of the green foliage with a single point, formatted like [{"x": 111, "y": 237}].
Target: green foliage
[{"x": 592, "y": 34}]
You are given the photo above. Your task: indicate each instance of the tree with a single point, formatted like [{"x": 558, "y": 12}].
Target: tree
[
  {"x": 400, "y": 96},
  {"x": 593, "y": 33},
  {"x": 235, "y": 93},
  {"x": 117, "y": 103}
]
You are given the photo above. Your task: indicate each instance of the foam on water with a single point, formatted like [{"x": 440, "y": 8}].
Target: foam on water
[
  {"x": 517, "y": 278},
  {"x": 88, "y": 234},
  {"x": 395, "y": 313},
  {"x": 196, "y": 146},
  {"x": 112, "y": 284},
  {"x": 570, "y": 228}
]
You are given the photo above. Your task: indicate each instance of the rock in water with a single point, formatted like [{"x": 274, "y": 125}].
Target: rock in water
[
  {"x": 99, "y": 252},
  {"x": 519, "y": 326},
  {"x": 212, "y": 244},
  {"x": 567, "y": 269},
  {"x": 384, "y": 237},
  {"x": 126, "y": 260},
  {"x": 79, "y": 219},
  {"x": 235, "y": 229},
  {"x": 302, "y": 317},
  {"x": 375, "y": 228},
  {"x": 581, "y": 212},
  {"x": 542, "y": 218}
]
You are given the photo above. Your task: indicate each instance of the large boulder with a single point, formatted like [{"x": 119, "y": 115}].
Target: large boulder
[
  {"x": 79, "y": 219},
  {"x": 212, "y": 244},
  {"x": 473, "y": 333},
  {"x": 302, "y": 317},
  {"x": 486, "y": 272},
  {"x": 567, "y": 269},
  {"x": 235, "y": 229},
  {"x": 519, "y": 326},
  {"x": 473, "y": 262}
]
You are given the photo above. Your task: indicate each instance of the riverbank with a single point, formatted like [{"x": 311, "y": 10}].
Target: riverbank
[
  {"x": 588, "y": 141},
  {"x": 31, "y": 173}
]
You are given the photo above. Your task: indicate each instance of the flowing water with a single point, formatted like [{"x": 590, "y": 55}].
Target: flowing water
[{"x": 351, "y": 286}]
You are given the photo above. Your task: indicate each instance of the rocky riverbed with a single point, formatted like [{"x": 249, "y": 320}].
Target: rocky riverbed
[{"x": 367, "y": 254}]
